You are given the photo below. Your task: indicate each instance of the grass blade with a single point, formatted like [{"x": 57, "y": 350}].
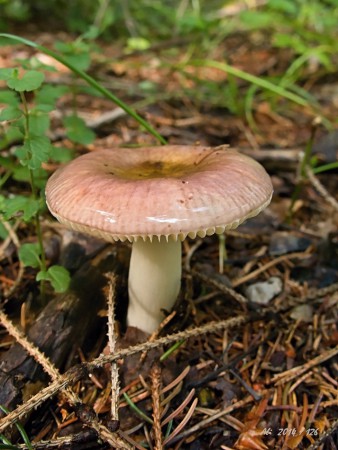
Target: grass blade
[
  {"x": 260, "y": 82},
  {"x": 137, "y": 410},
  {"x": 90, "y": 80}
]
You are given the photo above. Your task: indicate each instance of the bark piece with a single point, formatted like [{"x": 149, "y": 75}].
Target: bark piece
[{"x": 62, "y": 325}]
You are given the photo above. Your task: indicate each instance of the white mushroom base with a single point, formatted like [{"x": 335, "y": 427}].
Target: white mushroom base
[{"x": 154, "y": 281}]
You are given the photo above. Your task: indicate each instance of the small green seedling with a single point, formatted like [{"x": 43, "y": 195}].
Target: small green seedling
[
  {"x": 31, "y": 122},
  {"x": 58, "y": 276}
]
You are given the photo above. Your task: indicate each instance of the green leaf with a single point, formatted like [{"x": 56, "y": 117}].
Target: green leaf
[
  {"x": 294, "y": 42},
  {"x": 76, "y": 53},
  {"x": 27, "y": 206},
  {"x": 138, "y": 44},
  {"x": 78, "y": 131},
  {"x": 22, "y": 174},
  {"x": 285, "y": 6},
  {"x": 13, "y": 134},
  {"x": 6, "y": 74},
  {"x": 19, "y": 124},
  {"x": 57, "y": 275},
  {"x": 62, "y": 154},
  {"x": 34, "y": 152},
  {"x": 29, "y": 255},
  {"x": 10, "y": 113},
  {"x": 6, "y": 163},
  {"x": 9, "y": 97},
  {"x": 81, "y": 60},
  {"x": 50, "y": 94},
  {"x": 257, "y": 19},
  {"x": 3, "y": 232},
  {"x": 93, "y": 32},
  {"x": 2, "y": 202},
  {"x": 44, "y": 108},
  {"x": 30, "y": 81},
  {"x": 39, "y": 122}
]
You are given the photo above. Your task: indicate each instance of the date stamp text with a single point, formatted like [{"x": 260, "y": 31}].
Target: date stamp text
[{"x": 289, "y": 432}]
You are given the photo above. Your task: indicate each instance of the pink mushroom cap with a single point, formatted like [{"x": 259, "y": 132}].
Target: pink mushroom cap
[{"x": 173, "y": 191}]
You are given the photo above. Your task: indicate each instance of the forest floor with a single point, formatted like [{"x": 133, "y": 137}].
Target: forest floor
[{"x": 249, "y": 358}]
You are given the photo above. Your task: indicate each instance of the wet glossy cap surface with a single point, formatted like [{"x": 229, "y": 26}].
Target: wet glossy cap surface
[{"x": 171, "y": 191}]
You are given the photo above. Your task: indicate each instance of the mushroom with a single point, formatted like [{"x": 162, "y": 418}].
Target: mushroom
[{"x": 155, "y": 197}]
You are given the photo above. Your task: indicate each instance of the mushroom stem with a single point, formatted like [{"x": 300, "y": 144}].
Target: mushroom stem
[{"x": 154, "y": 281}]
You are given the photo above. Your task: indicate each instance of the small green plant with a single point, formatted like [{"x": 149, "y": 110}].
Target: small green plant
[
  {"x": 31, "y": 122},
  {"x": 25, "y": 120}
]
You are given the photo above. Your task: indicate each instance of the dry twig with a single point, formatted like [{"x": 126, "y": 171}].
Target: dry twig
[
  {"x": 291, "y": 374},
  {"x": 91, "y": 420},
  {"x": 273, "y": 262},
  {"x": 77, "y": 372},
  {"x": 155, "y": 375},
  {"x": 112, "y": 344},
  {"x": 221, "y": 287},
  {"x": 12, "y": 236},
  {"x": 218, "y": 415}
]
